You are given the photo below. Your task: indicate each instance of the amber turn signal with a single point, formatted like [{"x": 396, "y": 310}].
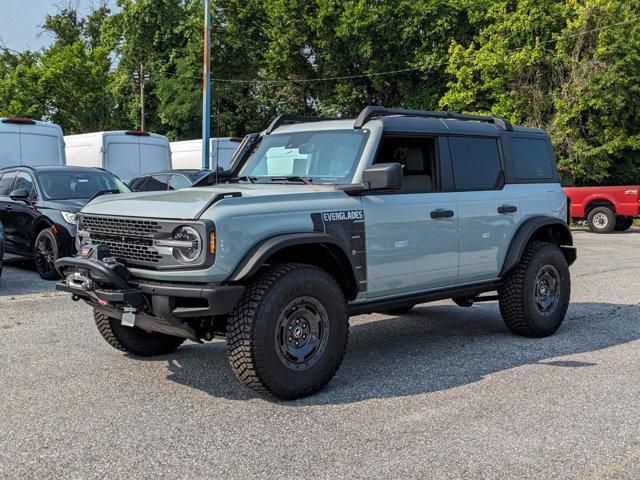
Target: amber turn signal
[{"x": 212, "y": 243}]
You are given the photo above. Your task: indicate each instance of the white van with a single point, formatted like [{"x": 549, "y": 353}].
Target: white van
[
  {"x": 188, "y": 154},
  {"x": 31, "y": 143},
  {"x": 127, "y": 154}
]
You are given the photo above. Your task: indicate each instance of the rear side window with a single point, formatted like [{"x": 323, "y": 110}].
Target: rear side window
[
  {"x": 136, "y": 184},
  {"x": 5, "y": 183},
  {"x": 476, "y": 163},
  {"x": 156, "y": 183},
  {"x": 531, "y": 159}
]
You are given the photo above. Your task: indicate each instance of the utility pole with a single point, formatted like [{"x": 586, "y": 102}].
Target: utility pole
[
  {"x": 141, "y": 76},
  {"x": 206, "y": 87}
]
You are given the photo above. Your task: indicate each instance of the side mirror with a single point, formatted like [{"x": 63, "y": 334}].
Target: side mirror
[
  {"x": 383, "y": 176},
  {"x": 20, "y": 194}
]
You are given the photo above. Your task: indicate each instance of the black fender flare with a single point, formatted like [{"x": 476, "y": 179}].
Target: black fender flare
[
  {"x": 526, "y": 232},
  {"x": 260, "y": 252}
]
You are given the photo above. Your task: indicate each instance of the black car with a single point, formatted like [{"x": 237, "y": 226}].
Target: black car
[
  {"x": 1, "y": 247},
  {"x": 171, "y": 180},
  {"x": 38, "y": 207}
]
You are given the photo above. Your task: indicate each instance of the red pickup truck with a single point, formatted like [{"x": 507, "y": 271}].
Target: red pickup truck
[{"x": 604, "y": 208}]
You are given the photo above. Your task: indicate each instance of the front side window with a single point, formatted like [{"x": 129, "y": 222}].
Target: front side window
[
  {"x": 24, "y": 182},
  {"x": 178, "y": 181},
  {"x": 70, "y": 186},
  {"x": 320, "y": 157},
  {"x": 476, "y": 163},
  {"x": 417, "y": 157}
]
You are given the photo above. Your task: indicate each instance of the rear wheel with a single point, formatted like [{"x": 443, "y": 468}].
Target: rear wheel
[
  {"x": 535, "y": 295},
  {"x": 601, "y": 220},
  {"x": 46, "y": 252},
  {"x": 623, "y": 223},
  {"x": 133, "y": 339},
  {"x": 288, "y": 333}
]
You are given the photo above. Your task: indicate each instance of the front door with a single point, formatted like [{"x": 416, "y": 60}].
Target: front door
[{"x": 411, "y": 235}]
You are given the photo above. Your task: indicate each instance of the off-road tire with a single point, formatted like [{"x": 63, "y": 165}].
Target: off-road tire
[
  {"x": 517, "y": 293},
  {"x": 623, "y": 224},
  {"x": 134, "y": 340},
  {"x": 46, "y": 234},
  {"x": 398, "y": 311},
  {"x": 252, "y": 338},
  {"x": 601, "y": 220}
]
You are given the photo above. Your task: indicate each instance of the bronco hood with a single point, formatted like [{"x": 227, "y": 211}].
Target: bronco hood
[{"x": 187, "y": 203}]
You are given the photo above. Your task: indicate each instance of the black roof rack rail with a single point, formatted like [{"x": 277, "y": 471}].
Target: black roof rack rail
[
  {"x": 289, "y": 118},
  {"x": 373, "y": 111}
]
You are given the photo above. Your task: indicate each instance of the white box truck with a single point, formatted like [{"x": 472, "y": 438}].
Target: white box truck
[
  {"x": 188, "y": 153},
  {"x": 29, "y": 142},
  {"x": 127, "y": 154}
]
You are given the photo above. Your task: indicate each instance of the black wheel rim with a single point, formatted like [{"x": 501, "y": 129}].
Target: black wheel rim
[
  {"x": 45, "y": 255},
  {"x": 547, "y": 290},
  {"x": 301, "y": 333}
]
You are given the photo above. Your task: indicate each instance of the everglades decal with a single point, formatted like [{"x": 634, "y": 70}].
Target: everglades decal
[
  {"x": 342, "y": 216},
  {"x": 347, "y": 226}
]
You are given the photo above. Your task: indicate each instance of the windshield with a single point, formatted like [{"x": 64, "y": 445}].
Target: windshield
[
  {"x": 79, "y": 185},
  {"x": 318, "y": 157}
]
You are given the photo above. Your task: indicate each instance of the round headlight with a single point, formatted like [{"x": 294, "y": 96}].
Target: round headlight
[{"x": 187, "y": 254}]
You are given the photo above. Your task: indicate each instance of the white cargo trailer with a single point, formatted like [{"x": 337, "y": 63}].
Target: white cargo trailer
[
  {"x": 188, "y": 153},
  {"x": 29, "y": 142},
  {"x": 127, "y": 154}
]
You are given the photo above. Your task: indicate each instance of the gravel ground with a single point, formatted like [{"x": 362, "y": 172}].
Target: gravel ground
[{"x": 444, "y": 392}]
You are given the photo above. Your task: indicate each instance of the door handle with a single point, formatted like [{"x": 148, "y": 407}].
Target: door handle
[
  {"x": 441, "y": 213},
  {"x": 507, "y": 209},
  {"x": 8, "y": 207}
]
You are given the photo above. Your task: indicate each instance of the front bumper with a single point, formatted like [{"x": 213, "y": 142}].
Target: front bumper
[{"x": 109, "y": 287}]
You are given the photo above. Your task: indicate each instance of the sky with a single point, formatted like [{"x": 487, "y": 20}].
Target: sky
[{"x": 20, "y": 20}]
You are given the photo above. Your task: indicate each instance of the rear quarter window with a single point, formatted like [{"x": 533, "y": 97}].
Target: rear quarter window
[{"x": 531, "y": 159}]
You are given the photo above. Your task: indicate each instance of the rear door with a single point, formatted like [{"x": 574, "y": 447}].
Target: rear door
[
  {"x": 122, "y": 156},
  {"x": 9, "y": 145},
  {"x": 488, "y": 211},
  {"x": 41, "y": 145},
  {"x": 154, "y": 155}
]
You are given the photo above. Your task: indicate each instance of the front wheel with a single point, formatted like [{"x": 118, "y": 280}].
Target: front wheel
[
  {"x": 288, "y": 333},
  {"x": 46, "y": 251},
  {"x": 601, "y": 220},
  {"x": 535, "y": 295}
]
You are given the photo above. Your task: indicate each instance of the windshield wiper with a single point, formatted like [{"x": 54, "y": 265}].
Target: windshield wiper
[
  {"x": 247, "y": 178},
  {"x": 292, "y": 178},
  {"x": 104, "y": 192}
]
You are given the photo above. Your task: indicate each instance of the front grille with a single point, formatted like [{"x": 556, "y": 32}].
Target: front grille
[
  {"x": 121, "y": 226},
  {"x": 128, "y": 239}
]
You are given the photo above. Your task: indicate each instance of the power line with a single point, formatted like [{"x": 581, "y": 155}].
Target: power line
[{"x": 397, "y": 71}]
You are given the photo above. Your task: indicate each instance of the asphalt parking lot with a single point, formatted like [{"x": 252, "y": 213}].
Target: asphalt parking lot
[{"x": 444, "y": 392}]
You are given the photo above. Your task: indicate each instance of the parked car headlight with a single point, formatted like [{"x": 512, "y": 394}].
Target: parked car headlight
[
  {"x": 69, "y": 217},
  {"x": 188, "y": 253}
]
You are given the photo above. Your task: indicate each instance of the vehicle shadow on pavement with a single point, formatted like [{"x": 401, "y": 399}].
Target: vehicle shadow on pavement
[
  {"x": 19, "y": 277},
  {"x": 433, "y": 348}
]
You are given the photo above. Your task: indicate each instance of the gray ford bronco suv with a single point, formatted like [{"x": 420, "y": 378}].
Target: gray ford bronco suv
[{"x": 322, "y": 219}]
